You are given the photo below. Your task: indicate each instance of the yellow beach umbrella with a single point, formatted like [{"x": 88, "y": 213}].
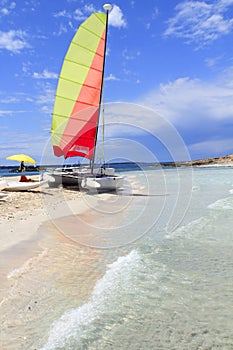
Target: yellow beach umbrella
[{"x": 22, "y": 158}]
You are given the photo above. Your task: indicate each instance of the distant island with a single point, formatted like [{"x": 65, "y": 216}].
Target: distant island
[{"x": 217, "y": 161}]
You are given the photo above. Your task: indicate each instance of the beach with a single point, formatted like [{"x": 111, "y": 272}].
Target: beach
[
  {"x": 28, "y": 240},
  {"x": 38, "y": 238},
  {"x": 147, "y": 268}
]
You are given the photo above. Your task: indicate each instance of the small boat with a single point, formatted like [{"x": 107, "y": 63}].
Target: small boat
[
  {"x": 15, "y": 186},
  {"x": 78, "y": 105}
]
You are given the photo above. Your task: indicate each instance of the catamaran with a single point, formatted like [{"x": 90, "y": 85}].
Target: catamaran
[{"x": 79, "y": 103}]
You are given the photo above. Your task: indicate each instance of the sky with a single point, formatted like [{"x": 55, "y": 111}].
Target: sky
[{"x": 168, "y": 86}]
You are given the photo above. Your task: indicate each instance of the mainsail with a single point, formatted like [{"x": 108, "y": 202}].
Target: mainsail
[{"x": 78, "y": 96}]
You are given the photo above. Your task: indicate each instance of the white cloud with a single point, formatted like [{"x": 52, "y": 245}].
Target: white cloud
[
  {"x": 79, "y": 15},
  {"x": 199, "y": 110},
  {"x": 45, "y": 75},
  {"x": 3, "y": 113},
  {"x": 27, "y": 143},
  {"x": 200, "y": 22},
  {"x": 46, "y": 97},
  {"x": 12, "y": 5},
  {"x": 155, "y": 13},
  {"x": 63, "y": 13},
  {"x": 222, "y": 146},
  {"x": 6, "y": 9},
  {"x": 89, "y": 8},
  {"x": 212, "y": 61},
  {"x": 14, "y": 40},
  {"x": 186, "y": 100},
  {"x": 128, "y": 120},
  {"x": 116, "y": 18},
  {"x": 62, "y": 29},
  {"x": 111, "y": 77},
  {"x": 9, "y": 100},
  {"x": 131, "y": 56},
  {"x": 11, "y": 112}
]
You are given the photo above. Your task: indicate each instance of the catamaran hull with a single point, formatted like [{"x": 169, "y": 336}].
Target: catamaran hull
[
  {"x": 65, "y": 180},
  {"x": 104, "y": 178},
  {"x": 103, "y": 183},
  {"x": 87, "y": 182}
]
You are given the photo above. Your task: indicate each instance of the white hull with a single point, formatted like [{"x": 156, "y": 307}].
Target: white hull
[
  {"x": 65, "y": 179},
  {"x": 101, "y": 180},
  {"x": 15, "y": 186},
  {"x": 103, "y": 183}
]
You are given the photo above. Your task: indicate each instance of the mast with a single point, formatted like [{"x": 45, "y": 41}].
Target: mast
[{"x": 107, "y": 8}]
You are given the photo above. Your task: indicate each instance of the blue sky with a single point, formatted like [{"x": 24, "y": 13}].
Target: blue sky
[{"x": 175, "y": 58}]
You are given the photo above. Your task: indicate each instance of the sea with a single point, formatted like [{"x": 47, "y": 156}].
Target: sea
[{"x": 149, "y": 267}]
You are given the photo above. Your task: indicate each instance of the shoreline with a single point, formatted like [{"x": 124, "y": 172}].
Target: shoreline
[
  {"x": 22, "y": 215},
  {"x": 29, "y": 218},
  {"x": 40, "y": 265}
]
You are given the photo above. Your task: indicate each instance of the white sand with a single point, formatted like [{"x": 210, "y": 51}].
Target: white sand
[{"x": 23, "y": 212}]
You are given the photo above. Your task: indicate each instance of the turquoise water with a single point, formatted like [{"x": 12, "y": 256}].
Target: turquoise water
[{"x": 153, "y": 271}]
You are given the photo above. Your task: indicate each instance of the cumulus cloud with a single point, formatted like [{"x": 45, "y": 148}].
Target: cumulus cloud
[
  {"x": 45, "y": 75},
  {"x": 202, "y": 112},
  {"x": 185, "y": 99},
  {"x": 200, "y": 22},
  {"x": 210, "y": 146},
  {"x": 14, "y": 40},
  {"x": 46, "y": 97},
  {"x": 116, "y": 17},
  {"x": 7, "y": 8},
  {"x": 89, "y": 8}
]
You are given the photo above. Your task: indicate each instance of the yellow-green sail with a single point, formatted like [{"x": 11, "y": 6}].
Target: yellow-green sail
[{"x": 76, "y": 106}]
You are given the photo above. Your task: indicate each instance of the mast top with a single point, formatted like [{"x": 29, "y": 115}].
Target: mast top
[{"x": 107, "y": 7}]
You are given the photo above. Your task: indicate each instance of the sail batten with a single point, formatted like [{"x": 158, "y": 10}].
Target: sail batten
[
  {"x": 85, "y": 48},
  {"x": 82, "y": 65},
  {"x": 77, "y": 100},
  {"x": 61, "y": 116},
  {"x": 89, "y": 31},
  {"x": 70, "y": 99},
  {"x": 77, "y": 83}
]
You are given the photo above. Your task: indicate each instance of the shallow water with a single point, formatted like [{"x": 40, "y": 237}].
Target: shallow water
[{"x": 152, "y": 269}]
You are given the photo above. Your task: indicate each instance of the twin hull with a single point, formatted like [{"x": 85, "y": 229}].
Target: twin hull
[{"x": 103, "y": 180}]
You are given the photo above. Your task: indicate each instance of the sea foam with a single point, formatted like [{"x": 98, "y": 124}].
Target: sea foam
[
  {"x": 27, "y": 265},
  {"x": 72, "y": 323},
  {"x": 222, "y": 204}
]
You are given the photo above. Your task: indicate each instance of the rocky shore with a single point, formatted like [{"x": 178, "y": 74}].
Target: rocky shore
[{"x": 217, "y": 161}]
